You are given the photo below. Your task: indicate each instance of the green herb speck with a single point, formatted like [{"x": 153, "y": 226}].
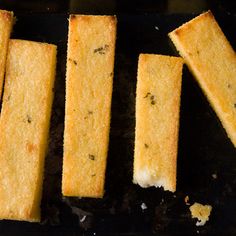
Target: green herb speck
[
  {"x": 91, "y": 157},
  {"x": 29, "y": 119},
  {"x": 101, "y": 50}
]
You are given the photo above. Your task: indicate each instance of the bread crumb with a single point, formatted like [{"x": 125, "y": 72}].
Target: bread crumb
[
  {"x": 214, "y": 176},
  {"x": 186, "y": 200},
  {"x": 83, "y": 219},
  {"x": 201, "y": 212},
  {"x": 143, "y": 206}
]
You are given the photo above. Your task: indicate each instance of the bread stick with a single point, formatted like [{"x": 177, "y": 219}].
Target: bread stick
[
  {"x": 212, "y": 60},
  {"x": 24, "y": 125},
  {"x": 89, "y": 79},
  {"x": 157, "y": 120}
]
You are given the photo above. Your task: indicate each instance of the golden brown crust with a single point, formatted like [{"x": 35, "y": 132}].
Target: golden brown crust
[
  {"x": 30, "y": 73},
  {"x": 188, "y": 26},
  {"x": 157, "y": 120},
  {"x": 6, "y": 22},
  {"x": 6, "y": 15},
  {"x": 212, "y": 60},
  {"x": 90, "y": 62}
]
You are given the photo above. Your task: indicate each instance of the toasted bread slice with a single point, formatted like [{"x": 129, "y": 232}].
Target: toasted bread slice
[
  {"x": 212, "y": 60},
  {"x": 6, "y": 22},
  {"x": 157, "y": 120},
  {"x": 89, "y": 79},
  {"x": 24, "y": 125}
]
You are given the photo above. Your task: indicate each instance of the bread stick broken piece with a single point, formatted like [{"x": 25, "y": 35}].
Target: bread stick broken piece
[
  {"x": 212, "y": 60},
  {"x": 6, "y": 22},
  {"x": 90, "y": 62},
  {"x": 24, "y": 125},
  {"x": 157, "y": 120},
  {"x": 201, "y": 212}
]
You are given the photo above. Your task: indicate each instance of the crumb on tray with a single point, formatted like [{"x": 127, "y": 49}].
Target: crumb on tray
[
  {"x": 201, "y": 212},
  {"x": 214, "y": 176},
  {"x": 186, "y": 200},
  {"x": 143, "y": 206}
]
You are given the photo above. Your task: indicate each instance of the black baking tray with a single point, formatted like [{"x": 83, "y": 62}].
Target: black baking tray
[{"x": 204, "y": 148}]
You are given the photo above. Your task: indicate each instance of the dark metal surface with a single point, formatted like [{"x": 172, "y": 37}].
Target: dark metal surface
[
  {"x": 204, "y": 148},
  {"x": 118, "y": 6}
]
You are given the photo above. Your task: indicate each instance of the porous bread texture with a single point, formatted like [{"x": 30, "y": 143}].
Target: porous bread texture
[{"x": 201, "y": 212}]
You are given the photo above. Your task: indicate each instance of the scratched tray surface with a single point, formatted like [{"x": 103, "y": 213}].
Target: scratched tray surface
[{"x": 204, "y": 148}]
